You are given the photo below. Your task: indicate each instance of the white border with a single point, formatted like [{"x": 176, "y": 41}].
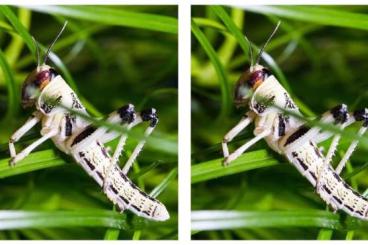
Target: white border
[{"x": 184, "y": 70}]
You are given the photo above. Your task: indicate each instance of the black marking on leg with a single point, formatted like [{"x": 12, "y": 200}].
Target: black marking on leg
[
  {"x": 294, "y": 154},
  {"x": 103, "y": 150},
  {"x": 282, "y": 125},
  {"x": 288, "y": 102},
  {"x": 359, "y": 212},
  {"x": 146, "y": 212},
  {"x": 301, "y": 162},
  {"x": 337, "y": 177},
  {"x": 90, "y": 165},
  {"x": 340, "y": 113},
  {"x": 326, "y": 189},
  {"x": 297, "y": 134},
  {"x": 362, "y": 115},
  {"x": 69, "y": 125},
  {"x": 337, "y": 199},
  {"x": 150, "y": 115},
  {"x": 125, "y": 178},
  {"x": 75, "y": 104},
  {"x": 113, "y": 189},
  {"x": 84, "y": 134},
  {"x": 316, "y": 150},
  {"x": 81, "y": 154},
  {"x": 127, "y": 113}
]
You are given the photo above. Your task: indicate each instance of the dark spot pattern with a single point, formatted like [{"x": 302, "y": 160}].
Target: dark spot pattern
[
  {"x": 84, "y": 134},
  {"x": 337, "y": 199},
  {"x": 75, "y": 104},
  {"x": 47, "y": 108},
  {"x": 282, "y": 125},
  {"x": 301, "y": 162},
  {"x": 297, "y": 134},
  {"x": 89, "y": 163},
  {"x": 288, "y": 102}
]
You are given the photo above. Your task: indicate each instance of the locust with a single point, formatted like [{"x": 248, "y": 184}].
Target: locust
[
  {"x": 278, "y": 121},
  {"x": 59, "y": 111}
]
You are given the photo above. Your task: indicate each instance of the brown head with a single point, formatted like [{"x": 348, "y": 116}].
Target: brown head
[
  {"x": 253, "y": 77},
  {"x": 249, "y": 81},
  {"x": 35, "y": 83},
  {"x": 40, "y": 77}
]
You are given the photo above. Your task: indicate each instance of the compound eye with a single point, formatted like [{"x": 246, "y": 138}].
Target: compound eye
[{"x": 242, "y": 89}]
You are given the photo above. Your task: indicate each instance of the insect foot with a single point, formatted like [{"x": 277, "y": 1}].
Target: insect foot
[
  {"x": 362, "y": 115},
  {"x": 12, "y": 162},
  {"x": 127, "y": 113},
  {"x": 340, "y": 113},
  {"x": 150, "y": 115}
]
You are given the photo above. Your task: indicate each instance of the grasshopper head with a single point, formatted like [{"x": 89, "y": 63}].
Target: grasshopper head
[
  {"x": 36, "y": 81},
  {"x": 248, "y": 82}
]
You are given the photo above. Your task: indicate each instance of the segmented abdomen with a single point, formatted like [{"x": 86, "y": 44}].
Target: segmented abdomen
[
  {"x": 332, "y": 188},
  {"x": 120, "y": 189}
]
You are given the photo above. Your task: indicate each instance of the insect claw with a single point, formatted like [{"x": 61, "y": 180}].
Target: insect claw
[
  {"x": 12, "y": 162},
  {"x": 226, "y": 161}
]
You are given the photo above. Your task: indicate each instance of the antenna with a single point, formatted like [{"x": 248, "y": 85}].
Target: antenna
[
  {"x": 250, "y": 51},
  {"x": 53, "y": 42},
  {"x": 37, "y": 51},
  {"x": 268, "y": 40}
]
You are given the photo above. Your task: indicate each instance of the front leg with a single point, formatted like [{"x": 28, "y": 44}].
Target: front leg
[
  {"x": 31, "y": 147},
  {"x": 244, "y": 122},
  {"x": 31, "y": 122}
]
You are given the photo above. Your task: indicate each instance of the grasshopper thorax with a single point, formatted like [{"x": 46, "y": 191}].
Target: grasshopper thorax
[
  {"x": 248, "y": 82},
  {"x": 36, "y": 81}
]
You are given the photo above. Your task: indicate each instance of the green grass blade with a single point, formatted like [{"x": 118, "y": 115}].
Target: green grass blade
[
  {"x": 10, "y": 85},
  {"x": 316, "y": 14},
  {"x": 33, "y": 162},
  {"x": 113, "y": 16},
  {"x": 45, "y": 219},
  {"x": 220, "y": 70},
  {"x": 231, "y": 26},
  {"x": 15, "y": 47},
  {"x": 224, "y": 220},
  {"x": 215, "y": 169},
  {"x": 21, "y": 30},
  {"x": 164, "y": 183}
]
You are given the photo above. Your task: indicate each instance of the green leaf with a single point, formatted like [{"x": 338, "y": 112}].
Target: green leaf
[
  {"x": 21, "y": 30},
  {"x": 10, "y": 219},
  {"x": 220, "y": 70},
  {"x": 10, "y": 85},
  {"x": 225, "y": 220},
  {"x": 164, "y": 183},
  {"x": 34, "y": 161},
  {"x": 215, "y": 169},
  {"x": 315, "y": 14},
  {"x": 113, "y": 16}
]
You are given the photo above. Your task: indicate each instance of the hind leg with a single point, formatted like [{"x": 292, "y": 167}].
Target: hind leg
[{"x": 360, "y": 115}]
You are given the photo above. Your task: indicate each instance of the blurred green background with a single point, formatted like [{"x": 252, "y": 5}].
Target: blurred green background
[
  {"x": 320, "y": 56},
  {"x": 111, "y": 56}
]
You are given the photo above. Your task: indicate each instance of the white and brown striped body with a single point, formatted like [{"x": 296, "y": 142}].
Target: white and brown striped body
[
  {"x": 73, "y": 139},
  {"x": 286, "y": 138}
]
